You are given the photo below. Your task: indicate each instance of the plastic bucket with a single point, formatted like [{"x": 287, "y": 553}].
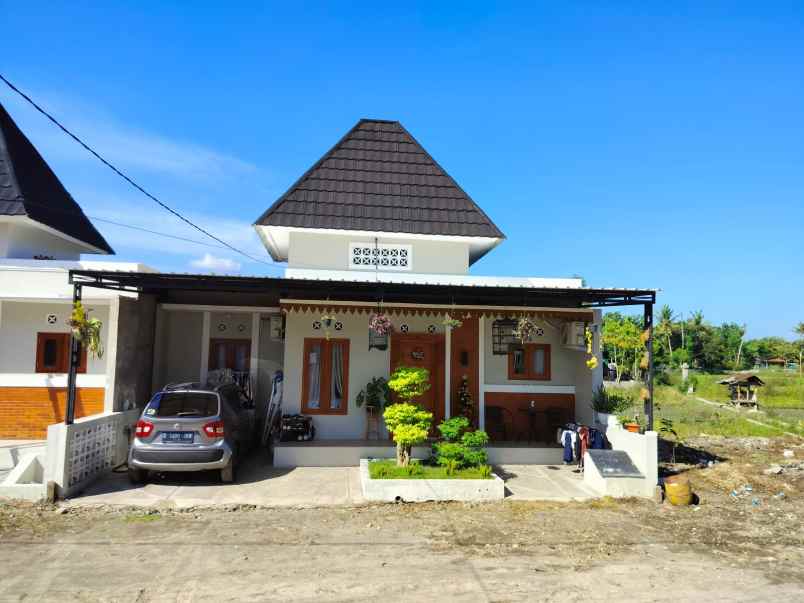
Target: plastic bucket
[{"x": 677, "y": 489}]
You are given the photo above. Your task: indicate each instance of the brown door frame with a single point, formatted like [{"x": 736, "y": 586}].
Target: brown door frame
[
  {"x": 228, "y": 340},
  {"x": 436, "y": 381}
]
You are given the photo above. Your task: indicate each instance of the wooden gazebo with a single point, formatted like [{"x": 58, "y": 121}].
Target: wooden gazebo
[{"x": 742, "y": 388}]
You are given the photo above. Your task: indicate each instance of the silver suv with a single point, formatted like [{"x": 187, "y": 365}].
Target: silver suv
[{"x": 190, "y": 427}]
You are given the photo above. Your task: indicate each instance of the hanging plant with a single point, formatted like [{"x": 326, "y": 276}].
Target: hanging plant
[
  {"x": 525, "y": 329},
  {"x": 326, "y": 321},
  {"x": 452, "y": 323},
  {"x": 380, "y": 324},
  {"x": 591, "y": 362},
  {"x": 86, "y": 330}
]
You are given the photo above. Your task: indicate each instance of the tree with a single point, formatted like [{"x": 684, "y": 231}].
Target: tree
[
  {"x": 408, "y": 423},
  {"x": 799, "y": 330},
  {"x": 664, "y": 328},
  {"x": 622, "y": 341}
]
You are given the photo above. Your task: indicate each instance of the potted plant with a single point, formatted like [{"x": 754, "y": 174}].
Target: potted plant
[
  {"x": 376, "y": 394},
  {"x": 525, "y": 329},
  {"x": 326, "y": 321},
  {"x": 452, "y": 323},
  {"x": 380, "y": 324},
  {"x": 86, "y": 330},
  {"x": 630, "y": 423},
  {"x": 608, "y": 403}
]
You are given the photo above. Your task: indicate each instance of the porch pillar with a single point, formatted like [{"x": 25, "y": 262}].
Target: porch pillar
[
  {"x": 207, "y": 317},
  {"x": 447, "y": 370},
  {"x": 75, "y": 360},
  {"x": 648, "y": 323},
  {"x": 253, "y": 367},
  {"x": 481, "y": 372}
]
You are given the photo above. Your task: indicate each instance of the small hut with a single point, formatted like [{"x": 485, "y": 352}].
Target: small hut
[
  {"x": 777, "y": 361},
  {"x": 742, "y": 389}
]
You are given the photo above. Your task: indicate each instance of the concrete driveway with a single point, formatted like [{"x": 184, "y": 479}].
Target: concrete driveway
[{"x": 260, "y": 484}]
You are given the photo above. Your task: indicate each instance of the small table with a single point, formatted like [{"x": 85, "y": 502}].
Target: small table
[{"x": 533, "y": 414}]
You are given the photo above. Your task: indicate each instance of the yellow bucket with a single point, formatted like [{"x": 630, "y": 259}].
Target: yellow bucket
[{"x": 677, "y": 490}]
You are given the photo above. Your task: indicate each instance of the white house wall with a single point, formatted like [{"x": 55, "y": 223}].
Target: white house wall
[
  {"x": 26, "y": 241},
  {"x": 21, "y": 321},
  {"x": 331, "y": 252}
]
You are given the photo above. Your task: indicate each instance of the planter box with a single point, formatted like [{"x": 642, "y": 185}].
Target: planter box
[{"x": 420, "y": 490}]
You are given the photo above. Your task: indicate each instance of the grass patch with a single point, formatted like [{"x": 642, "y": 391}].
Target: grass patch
[
  {"x": 387, "y": 469},
  {"x": 142, "y": 517}
]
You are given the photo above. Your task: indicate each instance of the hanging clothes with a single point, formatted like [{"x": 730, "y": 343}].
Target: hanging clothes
[
  {"x": 583, "y": 444},
  {"x": 568, "y": 446}
]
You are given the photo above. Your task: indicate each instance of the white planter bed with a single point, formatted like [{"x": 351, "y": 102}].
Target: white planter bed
[{"x": 420, "y": 490}]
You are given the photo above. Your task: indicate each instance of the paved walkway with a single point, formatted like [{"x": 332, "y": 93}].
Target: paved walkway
[{"x": 260, "y": 484}]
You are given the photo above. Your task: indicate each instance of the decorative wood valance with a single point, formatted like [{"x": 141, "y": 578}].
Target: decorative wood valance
[{"x": 459, "y": 313}]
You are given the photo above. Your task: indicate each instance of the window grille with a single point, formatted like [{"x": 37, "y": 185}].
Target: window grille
[
  {"x": 502, "y": 336},
  {"x": 383, "y": 256}
]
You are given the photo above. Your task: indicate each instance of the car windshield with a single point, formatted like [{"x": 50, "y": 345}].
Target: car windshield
[{"x": 183, "y": 404}]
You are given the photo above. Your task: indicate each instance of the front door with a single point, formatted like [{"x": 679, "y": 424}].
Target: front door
[{"x": 423, "y": 350}]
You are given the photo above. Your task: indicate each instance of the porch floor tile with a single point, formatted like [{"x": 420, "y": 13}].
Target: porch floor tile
[{"x": 544, "y": 482}]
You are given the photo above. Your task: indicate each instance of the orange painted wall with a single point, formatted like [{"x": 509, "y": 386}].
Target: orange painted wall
[{"x": 25, "y": 412}]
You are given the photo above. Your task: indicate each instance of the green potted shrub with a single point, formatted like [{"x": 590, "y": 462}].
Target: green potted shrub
[
  {"x": 376, "y": 394},
  {"x": 608, "y": 403}
]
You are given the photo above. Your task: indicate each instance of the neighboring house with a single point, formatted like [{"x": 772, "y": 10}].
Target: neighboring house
[
  {"x": 43, "y": 233},
  {"x": 376, "y": 225}
]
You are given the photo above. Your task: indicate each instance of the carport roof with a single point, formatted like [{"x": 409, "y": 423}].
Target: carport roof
[{"x": 371, "y": 292}]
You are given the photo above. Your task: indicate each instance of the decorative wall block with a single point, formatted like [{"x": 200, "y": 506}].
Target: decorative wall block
[
  {"x": 91, "y": 451},
  {"x": 382, "y": 256}
]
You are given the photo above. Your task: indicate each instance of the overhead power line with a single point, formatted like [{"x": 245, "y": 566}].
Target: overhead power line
[{"x": 120, "y": 173}]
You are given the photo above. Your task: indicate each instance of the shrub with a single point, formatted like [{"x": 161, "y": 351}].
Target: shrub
[
  {"x": 376, "y": 394},
  {"x": 459, "y": 448},
  {"x": 451, "y": 429},
  {"x": 612, "y": 400},
  {"x": 409, "y": 425},
  {"x": 485, "y": 471},
  {"x": 408, "y": 383}
]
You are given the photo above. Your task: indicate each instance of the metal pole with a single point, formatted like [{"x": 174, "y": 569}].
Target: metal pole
[
  {"x": 75, "y": 360},
  {"x": 649, "y": 401}
]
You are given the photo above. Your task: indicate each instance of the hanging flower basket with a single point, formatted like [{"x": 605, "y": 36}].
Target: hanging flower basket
[
  {"x": 452, "y": 323},
  {"x": 380, "y": 324},
  {"x": 525, "y": 329},
  {"x": 86, "y": 330},
  {"x": 326, "y": 321}
]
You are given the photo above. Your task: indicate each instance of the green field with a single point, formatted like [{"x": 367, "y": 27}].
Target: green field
[{"x": 781, "y": 407}]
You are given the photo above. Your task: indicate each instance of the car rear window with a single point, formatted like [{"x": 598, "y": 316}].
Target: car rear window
[{"x": 183, "y": 404}]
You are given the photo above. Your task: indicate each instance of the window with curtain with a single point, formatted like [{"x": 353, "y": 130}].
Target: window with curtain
[
  {"x": 530, "y": 361},
  {"x": 325, "y": 379}
]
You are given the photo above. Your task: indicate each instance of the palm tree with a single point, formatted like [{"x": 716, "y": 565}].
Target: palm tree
[
  {"x": 799, "y": 330},
  {"x": 665, "y": 326}
]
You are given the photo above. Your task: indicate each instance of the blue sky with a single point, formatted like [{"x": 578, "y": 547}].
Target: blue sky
[{"x": 637, "y": 144}]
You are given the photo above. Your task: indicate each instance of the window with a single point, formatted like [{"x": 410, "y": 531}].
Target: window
[
  {"x": 325, "y": 381},
  {"x": 53, "y": 353},
  {"x": 502, "y": 336},
  {"x": 183, "y": 404},
  {"x": 530, "y": 361}
]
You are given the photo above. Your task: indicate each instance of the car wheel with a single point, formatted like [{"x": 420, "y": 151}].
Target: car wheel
[
  {"x": 137, "y": 476},
  {"x": 228, "y": 473}
]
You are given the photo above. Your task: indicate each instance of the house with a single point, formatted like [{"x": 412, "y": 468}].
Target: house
[
  {"x": 43, "y": 233},
  {"x": 377, "y": 226}
]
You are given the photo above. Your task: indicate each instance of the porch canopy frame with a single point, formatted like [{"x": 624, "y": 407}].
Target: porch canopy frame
[{"x": 165, "y": 286}]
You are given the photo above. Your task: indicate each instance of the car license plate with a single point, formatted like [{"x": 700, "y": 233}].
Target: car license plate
[{"x": 177, "y": 436}]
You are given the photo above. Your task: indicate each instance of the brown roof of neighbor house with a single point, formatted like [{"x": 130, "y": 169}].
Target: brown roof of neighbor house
[
  {"x": 379, "y": 178},
  {"x": 28, "y": 187}
]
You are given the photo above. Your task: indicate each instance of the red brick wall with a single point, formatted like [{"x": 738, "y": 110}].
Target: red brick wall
[{"x": 25, "y": 412}]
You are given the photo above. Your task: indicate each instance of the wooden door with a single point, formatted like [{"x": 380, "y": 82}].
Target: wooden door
[
  {"x": 234, "y": 354},
  {"x": 423, "y": 350}
]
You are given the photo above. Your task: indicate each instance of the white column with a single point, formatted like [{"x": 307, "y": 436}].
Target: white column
[
  {"x": 255, "y": 353},
  {"x": 481, "y": 372},
  {"x": 205, "y": 346},
  {"x": 447, "y": 369},
  {"x": 110, "y": 355}
]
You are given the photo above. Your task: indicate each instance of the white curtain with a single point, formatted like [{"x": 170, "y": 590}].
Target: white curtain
[
  {"x": 337, "y": 376},
  {"x": 314, "y": 377}
]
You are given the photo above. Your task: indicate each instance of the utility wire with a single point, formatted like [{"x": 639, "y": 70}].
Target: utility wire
[{"x": 125, "y": 177}]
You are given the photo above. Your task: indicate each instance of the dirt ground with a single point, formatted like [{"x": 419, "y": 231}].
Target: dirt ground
[{"x": 738, "y": 544}]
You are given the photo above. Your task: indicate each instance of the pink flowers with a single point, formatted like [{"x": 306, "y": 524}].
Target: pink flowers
[{"x": 380, "y": 324}]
